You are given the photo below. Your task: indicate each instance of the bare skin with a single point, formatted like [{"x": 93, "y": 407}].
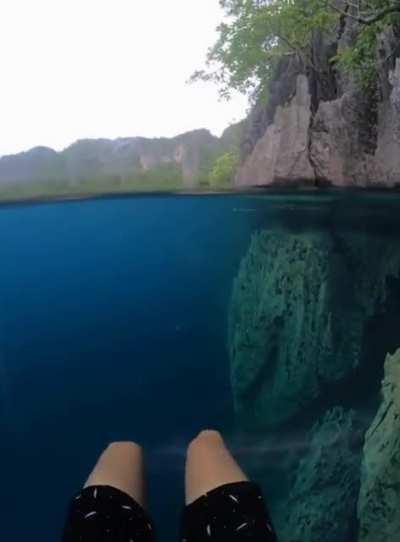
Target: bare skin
[
  {"x": 209, "y": 464},
  {"x": 121, "y": 466}
]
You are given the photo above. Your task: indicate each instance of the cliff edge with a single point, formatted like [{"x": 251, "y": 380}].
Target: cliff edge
[{"x": 321, "y": 126}]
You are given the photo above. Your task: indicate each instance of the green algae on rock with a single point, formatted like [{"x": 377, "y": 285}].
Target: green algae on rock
[
  {"x": 300, "y": 308},
  {"x": 379, "y": 501},
  {"x": 323, "y": 499},
  {"x": 289, "y": 337}
]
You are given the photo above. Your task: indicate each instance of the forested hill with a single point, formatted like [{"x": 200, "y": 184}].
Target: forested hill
[
  {"x": 324, "y": 80},
  {"x": 188, "y": 161}
]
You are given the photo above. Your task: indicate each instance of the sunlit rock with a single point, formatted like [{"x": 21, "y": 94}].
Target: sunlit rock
[{"x": 282, "y": 153}]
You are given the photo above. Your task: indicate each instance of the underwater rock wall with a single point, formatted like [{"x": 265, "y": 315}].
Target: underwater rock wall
[
  {"x": 283, "y": 323},
  {"x": 379, "y": 501},
  {"x": 321, "y": 504},
  {"x": 300, "y": 307},
  {"x": 310, "y": 314}
]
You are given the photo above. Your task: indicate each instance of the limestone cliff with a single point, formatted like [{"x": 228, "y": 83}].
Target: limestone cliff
[
  {"x": 282, "y": 154},
  {"x": 321, "y": 127}
]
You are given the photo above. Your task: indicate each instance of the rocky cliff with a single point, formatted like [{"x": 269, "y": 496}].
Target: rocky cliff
[
  {"x": 117, "y": 160},
  {"x": 321, "y": 127}
]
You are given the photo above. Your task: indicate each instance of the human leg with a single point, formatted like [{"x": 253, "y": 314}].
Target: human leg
[
  {"x": 121, "y": 466},
  {"x": 222, "y": 505},
  {"x": 110, "y": 508},
  {"x": 209, "y": 464}
]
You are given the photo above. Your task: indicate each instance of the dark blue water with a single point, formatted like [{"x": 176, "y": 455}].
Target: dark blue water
[{"x": 113, "y": 325}]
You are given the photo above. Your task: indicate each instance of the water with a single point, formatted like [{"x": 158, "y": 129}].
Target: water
[{"x": 117, "y": 322}]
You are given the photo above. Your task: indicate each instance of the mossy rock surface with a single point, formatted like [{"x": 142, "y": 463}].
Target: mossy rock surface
[
  {"x": 379, "y": 502},
  {"x": 300, "y": 310}
]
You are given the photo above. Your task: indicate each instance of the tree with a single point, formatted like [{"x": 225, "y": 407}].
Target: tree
[
  {"x": 223, "y": 171},
  {"x": 368, "y": 13},
  {"x": 257, "y": 33}
]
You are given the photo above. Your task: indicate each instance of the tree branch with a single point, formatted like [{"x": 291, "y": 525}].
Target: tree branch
[
  {"x": 372, "y": 19},
  {"x": 298, "y": 51}
]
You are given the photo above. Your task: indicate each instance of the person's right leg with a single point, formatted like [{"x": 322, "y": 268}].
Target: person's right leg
[
  {"x": 222, "y": 505},
  {"x": 209, "y": 464}
]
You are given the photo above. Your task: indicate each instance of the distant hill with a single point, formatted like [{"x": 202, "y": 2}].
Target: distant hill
[{"x": 183, "y": 161}]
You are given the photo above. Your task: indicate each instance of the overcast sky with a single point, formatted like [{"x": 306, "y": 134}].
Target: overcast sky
[{"x": 72, "y": 69}]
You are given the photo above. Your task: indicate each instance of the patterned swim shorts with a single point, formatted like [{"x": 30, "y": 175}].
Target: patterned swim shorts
[{"x": 230, "y": 513}]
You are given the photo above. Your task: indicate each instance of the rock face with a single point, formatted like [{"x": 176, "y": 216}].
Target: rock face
[
  {"x": 313, "y": 313},
  {"x": 388, "y": 148},
  {"x": 379, "y": 501},
  {"x": 338, "y": 155},
  {"x": 323, "y": 498},
  {"x": 284, "y": 293},
  {"x": 328, "y": 131},
  {"x": 281, "y": 155},
  {"x": 112, "y": 160},
  {"x": 289, "y": 336}
]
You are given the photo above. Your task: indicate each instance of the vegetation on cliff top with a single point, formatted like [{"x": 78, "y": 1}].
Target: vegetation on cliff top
[
  {"x": 223, "y": 171},
  {"x": 257, "y": 33}
]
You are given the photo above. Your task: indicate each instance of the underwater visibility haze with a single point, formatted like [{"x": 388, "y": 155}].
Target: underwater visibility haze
[{"x": 273, "y": 317}]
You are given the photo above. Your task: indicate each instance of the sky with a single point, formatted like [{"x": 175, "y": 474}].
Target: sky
[{"x": 73, "y": 69}]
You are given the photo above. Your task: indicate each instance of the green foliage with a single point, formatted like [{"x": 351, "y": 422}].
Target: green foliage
[
  {"x": 223, "y": 171},
  {"x": 169, "y": 173},
  {"x": 207, "y": 160},
  {"x": 257, "y": 33},
  {"x": 163, "y": 177},
  {"x": 209, "y": 156},
  {"x": 360, "y": 59}
]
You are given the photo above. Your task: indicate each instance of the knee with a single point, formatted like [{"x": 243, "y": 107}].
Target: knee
[
  {"x": 205, "y": 439},
  {"x": 125, "y": 447}
]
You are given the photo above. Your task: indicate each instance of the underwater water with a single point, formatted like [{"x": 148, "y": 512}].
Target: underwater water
[{"x": 268, "y": 317}]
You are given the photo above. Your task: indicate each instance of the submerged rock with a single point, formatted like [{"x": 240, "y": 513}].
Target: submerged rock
[
  {"x": 300, "y": 308},
  {"x": 281, "y": 327},
  {"x": 379, "y": 500},
  {"x": 323, "y": 500},
  {"x": 282, "y": 332}
]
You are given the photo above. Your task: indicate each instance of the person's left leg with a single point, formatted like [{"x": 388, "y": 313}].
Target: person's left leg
[
  {"x": 110, "y": 508},
  {"x": 121, "y": 466}
]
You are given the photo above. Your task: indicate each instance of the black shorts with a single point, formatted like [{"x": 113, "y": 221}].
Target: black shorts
[{"x": 230, "y": 513}]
